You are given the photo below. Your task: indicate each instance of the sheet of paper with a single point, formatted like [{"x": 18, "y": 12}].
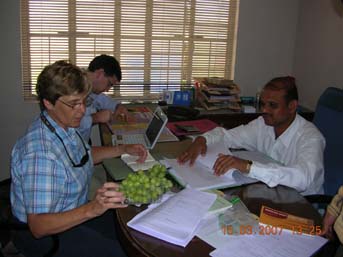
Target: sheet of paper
[
  {"x": 131, "y": 161},
  {"x": 200, "y": 177},
  {"x": 176, "y": 219},
  {"x": 285, "y": 245},
  {"x": 212, "y": 154}
]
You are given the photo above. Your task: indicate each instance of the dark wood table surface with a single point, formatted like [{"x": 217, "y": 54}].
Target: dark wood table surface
[{"x": 254, "y": 196}]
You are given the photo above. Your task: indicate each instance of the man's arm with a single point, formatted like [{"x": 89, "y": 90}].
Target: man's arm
[
  {"x": 303, "y": 172},
  {"x": 236, "y": 137},
  {"x": 104, "y": 102},
  {"x": 108, "y": 108}
]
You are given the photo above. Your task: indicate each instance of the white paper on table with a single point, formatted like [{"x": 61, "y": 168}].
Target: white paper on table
[
  {"x": 131, "y": 161},
  {"x": 200, "y": 177},
  {"x": 176, "y": 219},
  {"x": 212, "y": 153},
  {"x": 285, "y": 245}
]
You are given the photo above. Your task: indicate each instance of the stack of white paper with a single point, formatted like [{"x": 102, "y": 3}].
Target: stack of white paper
[
  {"x": 200, "y": 175},
  {"x": 284, "y": 244},
  {"x": 176, "y": 219}
]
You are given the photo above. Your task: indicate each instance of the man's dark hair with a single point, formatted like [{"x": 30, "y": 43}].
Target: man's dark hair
[
  {"x": 284, "y": 83},
  {"x": 110, "y": 65}
]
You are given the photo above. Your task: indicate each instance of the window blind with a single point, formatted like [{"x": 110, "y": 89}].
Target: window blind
[{"x": 160, "y": 44}]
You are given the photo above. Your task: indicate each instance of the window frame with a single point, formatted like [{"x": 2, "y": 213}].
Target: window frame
[{"x": 143, "y": 89}]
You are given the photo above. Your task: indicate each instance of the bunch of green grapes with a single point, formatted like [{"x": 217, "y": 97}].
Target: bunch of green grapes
[{"x": 145, "y": 187}]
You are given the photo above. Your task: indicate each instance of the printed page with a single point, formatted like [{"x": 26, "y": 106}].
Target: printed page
[
  {"x": 176, "y": 219},
  {"x": 284, "y": 245},
  {"x": 202, "y": 178},
  {"x": 266, "y": 242},
  {"x": 212, "y": 154}
]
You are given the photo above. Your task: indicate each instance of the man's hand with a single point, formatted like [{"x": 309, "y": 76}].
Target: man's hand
[
  {"x": 226, "y": 162},
  {"x": 108, "y": 197},
  {"x": 102, "y": 116},
  {"x": 136, "y": 149},
  {"x": 193, "y": 151},
  {"x": 328, "y": 223},
  {"x": 121, "y": 114}
]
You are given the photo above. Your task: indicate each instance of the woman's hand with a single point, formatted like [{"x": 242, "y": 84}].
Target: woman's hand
[
  {"x": 107, "y": 197},
  {"x": 328, "y": 223},
  {"x": 138, "y": 150}
]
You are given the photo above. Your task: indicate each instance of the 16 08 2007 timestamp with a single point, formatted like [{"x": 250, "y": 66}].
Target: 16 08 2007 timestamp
[{"x": 266, "y": 230}]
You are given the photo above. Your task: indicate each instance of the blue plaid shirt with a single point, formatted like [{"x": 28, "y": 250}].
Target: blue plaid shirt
[{"x": 43, "y": 178}]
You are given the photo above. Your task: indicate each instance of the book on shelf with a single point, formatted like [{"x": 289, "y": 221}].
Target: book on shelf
[
  {"x": 217, "y": 93},
  {"x": 214, "y": 81},
  {"x": 218, "y": 84},
  {"x": 212, "y": 98},
  {"x": 220, "y": 105}
]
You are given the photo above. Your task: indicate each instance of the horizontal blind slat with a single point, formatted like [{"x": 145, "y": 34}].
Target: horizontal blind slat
[{"x": 161, "y": 44}]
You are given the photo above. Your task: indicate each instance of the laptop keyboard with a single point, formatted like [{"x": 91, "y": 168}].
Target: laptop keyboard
[{"x": 134, "y": 139}]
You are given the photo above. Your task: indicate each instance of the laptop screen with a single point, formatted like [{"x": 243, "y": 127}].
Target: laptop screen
[{"x": 154, "y": 128}]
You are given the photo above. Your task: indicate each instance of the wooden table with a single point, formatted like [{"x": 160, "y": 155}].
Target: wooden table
[{"x": 254, "y": 196}]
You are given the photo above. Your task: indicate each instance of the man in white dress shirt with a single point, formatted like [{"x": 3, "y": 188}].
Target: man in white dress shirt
[{"x": 282, "y": 134}]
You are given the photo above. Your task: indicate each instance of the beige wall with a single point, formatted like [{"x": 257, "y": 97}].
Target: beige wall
[
  {"x": 318, "y": 61},
  {"x": 266, "y": 42},
  {"x": 272, "y": 41},
  {"x": 15, "y": 115}
]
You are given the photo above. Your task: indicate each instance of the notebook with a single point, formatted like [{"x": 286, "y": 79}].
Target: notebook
[{"x": 149, "y": 137}]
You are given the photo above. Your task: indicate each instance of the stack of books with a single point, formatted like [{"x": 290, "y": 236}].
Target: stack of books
[{"x": 217, "y": 93}]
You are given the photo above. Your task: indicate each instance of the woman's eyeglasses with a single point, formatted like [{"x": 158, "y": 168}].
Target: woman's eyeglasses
[{"x": 74, "y": 106}]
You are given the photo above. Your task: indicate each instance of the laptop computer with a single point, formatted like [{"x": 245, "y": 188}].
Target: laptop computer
[{"x": 151, "y": 134}]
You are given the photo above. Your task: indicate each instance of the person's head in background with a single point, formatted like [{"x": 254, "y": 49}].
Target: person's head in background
[
  {"x": 279, "y": 102},
  {"x": 62, "y": 89},
  {"x": 104, "y": 72}
]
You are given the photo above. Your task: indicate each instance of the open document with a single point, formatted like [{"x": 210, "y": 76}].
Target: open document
[
  {"x": 176, "y": 219},
  {"x": 277, "y": 243},
  {"x": 200, "y": 175},
  {"x": 284, "y": 245}
]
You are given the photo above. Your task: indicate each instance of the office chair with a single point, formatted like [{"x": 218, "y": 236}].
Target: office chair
[
  {"x": 8, "y": 224},
  {"x": 328, "y": 118}
]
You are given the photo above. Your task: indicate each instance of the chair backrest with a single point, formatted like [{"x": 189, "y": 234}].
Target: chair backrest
[{"x": 328, "y": 118}]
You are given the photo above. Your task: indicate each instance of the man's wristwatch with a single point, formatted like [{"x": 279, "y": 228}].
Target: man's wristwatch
[{"x": 247, "y": 168}]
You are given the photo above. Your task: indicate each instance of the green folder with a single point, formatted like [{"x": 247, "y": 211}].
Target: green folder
[{"x": 116, "y": 168}]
